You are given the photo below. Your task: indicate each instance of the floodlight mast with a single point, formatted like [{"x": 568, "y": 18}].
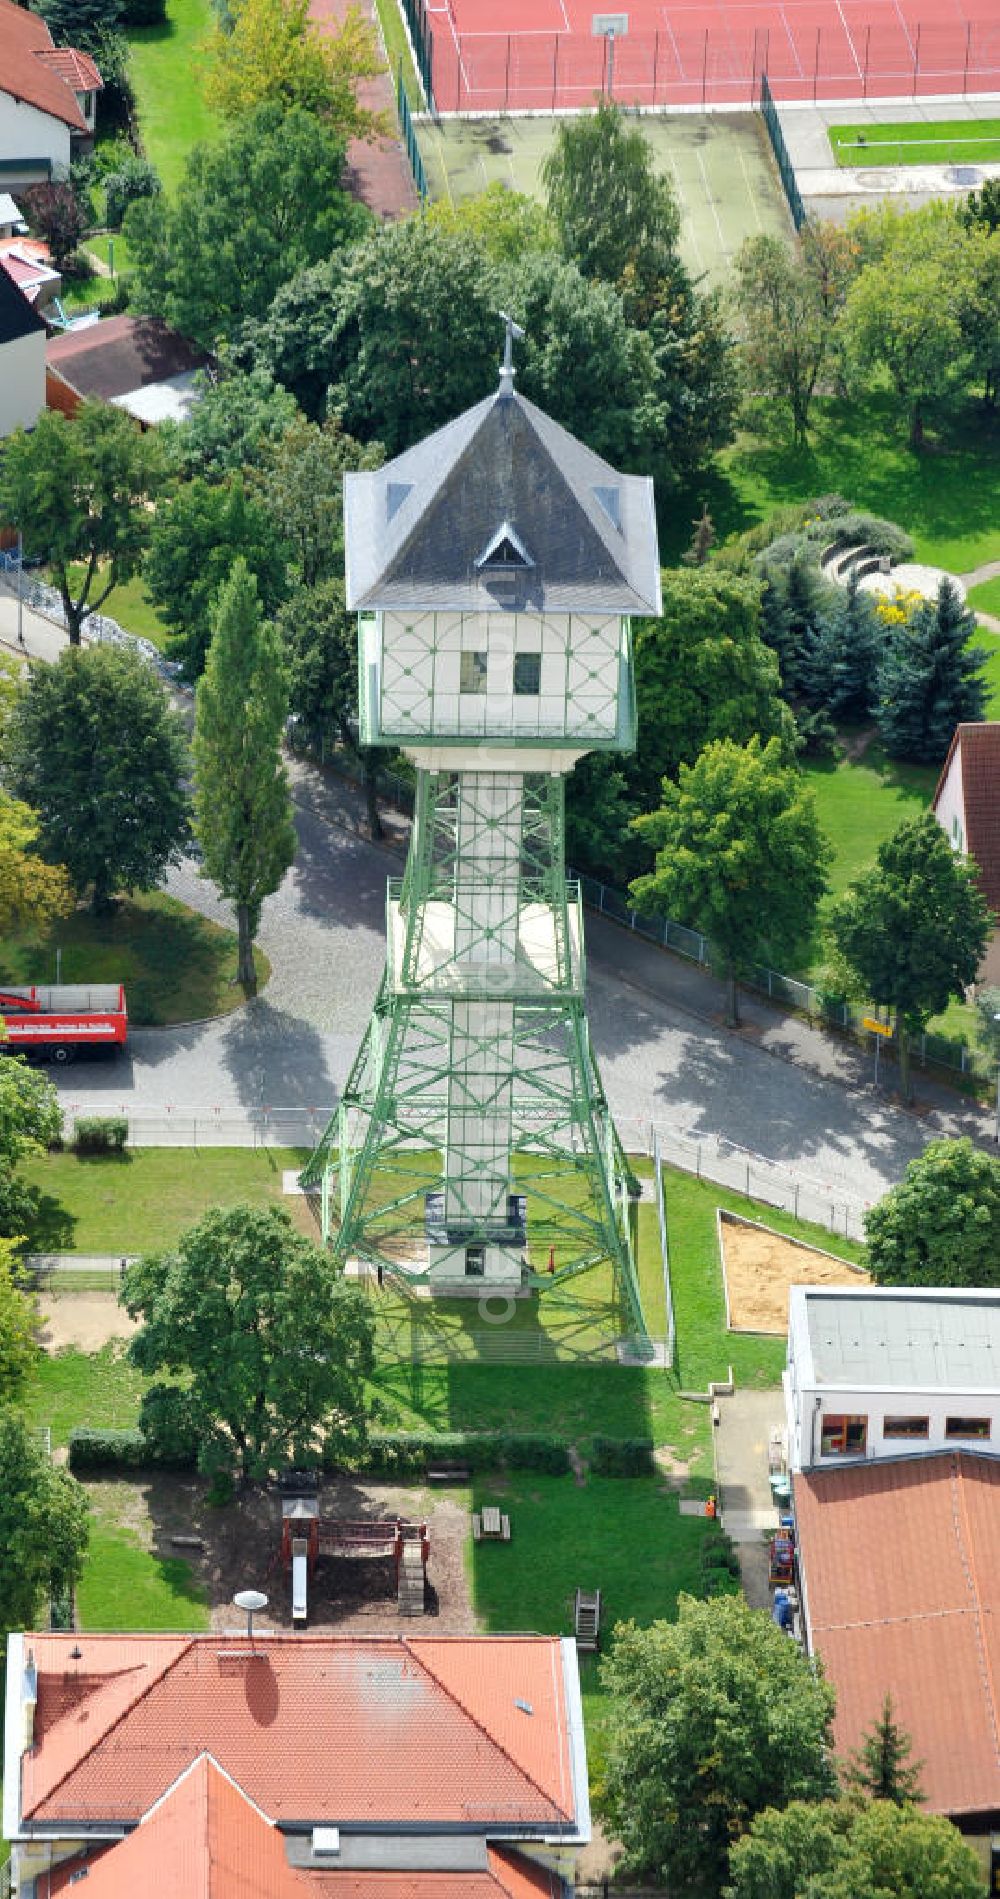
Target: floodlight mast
[{"x": 495, "y": 568}]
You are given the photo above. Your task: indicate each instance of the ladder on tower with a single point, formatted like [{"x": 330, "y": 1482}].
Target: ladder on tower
[{"x": 410, "y": 1590}]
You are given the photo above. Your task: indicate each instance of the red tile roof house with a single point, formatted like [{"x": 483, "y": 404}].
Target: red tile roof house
[
  {"x": 48, "y": 98},
  {"x": 967, "y": 806},
  {"x": 382, "y": 1767},
  {"x": 899, "y": 1567}
]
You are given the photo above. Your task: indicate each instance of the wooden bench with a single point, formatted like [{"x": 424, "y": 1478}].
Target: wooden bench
[
  {"x": 448, "y": 1473},
  {"x": 491, "y": 1525},
  {"x": 477, "y": 1527}
]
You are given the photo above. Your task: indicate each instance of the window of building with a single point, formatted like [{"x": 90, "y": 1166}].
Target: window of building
[
  {"x": 473, "y": 674},
  {"x": 905, "y": 1427},
  {"x": 967, "y": 1427},
  {"x": 843, "y": 1437},
  {"x": 527, "y": 674},
  {"x": 475, "y": 1262}
]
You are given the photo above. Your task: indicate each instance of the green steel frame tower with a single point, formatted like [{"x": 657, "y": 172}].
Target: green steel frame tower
[{"x": 494, "y": 569}]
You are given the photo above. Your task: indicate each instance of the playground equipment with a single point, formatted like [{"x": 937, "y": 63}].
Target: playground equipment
[
  {"x": 587, "y": 1619},
  {"x": 306, "y": 1536}
]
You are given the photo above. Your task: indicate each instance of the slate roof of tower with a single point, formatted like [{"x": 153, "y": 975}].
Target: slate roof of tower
[{"x": 417, "y": 527}]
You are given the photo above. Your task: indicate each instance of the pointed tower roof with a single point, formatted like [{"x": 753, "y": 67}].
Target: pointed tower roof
[{"x": 501, "y": 508}]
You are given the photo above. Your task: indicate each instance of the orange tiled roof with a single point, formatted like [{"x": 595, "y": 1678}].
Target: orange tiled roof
[
  {"x": 206, "y": 1840},
  {"x": 76, "y": 70},
  {"x": 902, "y": 1576},
  {"x": 25, "y": 72},
  {"x": 384, "y": 1728}
]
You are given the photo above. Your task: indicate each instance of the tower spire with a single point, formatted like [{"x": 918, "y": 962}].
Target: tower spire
[{"x": 507, "y": 371}]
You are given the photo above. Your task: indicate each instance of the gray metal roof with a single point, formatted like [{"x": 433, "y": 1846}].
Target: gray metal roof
[
  {"x": 573, "y": 534},
  {"x": 915, "y": 1344}
]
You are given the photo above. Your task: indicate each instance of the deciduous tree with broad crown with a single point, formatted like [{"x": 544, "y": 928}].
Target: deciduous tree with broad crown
[{"x": 940, "y": 1224}]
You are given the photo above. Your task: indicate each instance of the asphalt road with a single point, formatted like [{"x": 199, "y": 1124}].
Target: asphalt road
[{"x": 663, "y": 1052}]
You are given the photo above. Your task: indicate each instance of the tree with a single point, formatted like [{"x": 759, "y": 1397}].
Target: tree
[
  {"x": 702, "y": 672},
  {"x": 79, "y": 23},
  {"x": 839, "y": 659},
  {"x": 702, "y": 540},
  {"x": 243, "y": 807},
  {"x": 599, "y": 814},
  {"x": 911, "y": 932},
  {"x": 54, "y": 211},
  {"x": 980, "y": 309},
  {"x": 839, "y": 1849},
  {"x": 30, "y": 1122},
  {"x": 940, "y": 1224},
  {"x": 790, "y": 301},
  {"x": 231, "y": 427},
  {"x": 711, "y": 1719},
  {"x": 616, "y": 218},
  {"x": 320, "y": 641},
  {"x": 80, "y": 492},
  {"x": 930, "y": 678},
  {"x": 251, "y": 210},
  {"x": 981, "y": 209},
  {"x": 132, "y": 179},
  {"x": 507, "y": 224},
  {"x": 297, "y": 342},
  {"x": 303, "y": 490},
  {"x": 98, "y": 751},
  {"x": 740, "y": 855},
  {"x": 903, "y": 312},
  {"x": 271, "y": 52},
  {"x": 195, "y": 540},
  {"x": 275, "y": 1342},
  {"x": 32, "y": 892},
  {"x": 881, "y": 1768},
  {"x": 44, "y": 1525},
  {"x": 18, "y": 1328}
]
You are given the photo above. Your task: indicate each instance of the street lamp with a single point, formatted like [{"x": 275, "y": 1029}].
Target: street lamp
[{"x": 996, "y": 1131}]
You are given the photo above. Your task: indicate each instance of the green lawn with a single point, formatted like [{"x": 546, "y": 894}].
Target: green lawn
[
  {"x": 176, "y": 965},
  {"x": 129, "y": 604},
  {"x": 945, "y": 142},
  {"x": 860, "y": 804},
  {"x": 125, "y": 1586},
  {"x": 397, "y": 50},
  {"x": 73, "y": 1388},
  {"x": 947, "y": 497},
  {"x": 986, "y": 597},
  {"x": 146, "y": 1198},
  {"x": 167, "y": 67},
  {"x": 103, "y": 246}
]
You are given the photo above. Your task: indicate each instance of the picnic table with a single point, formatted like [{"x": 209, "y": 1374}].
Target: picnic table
[{"x": 490, "y": 1523}]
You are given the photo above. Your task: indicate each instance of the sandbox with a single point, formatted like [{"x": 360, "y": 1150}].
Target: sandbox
[
  {"x": 759, "y": 1264},
  {"x": 86, "y": 1320}
]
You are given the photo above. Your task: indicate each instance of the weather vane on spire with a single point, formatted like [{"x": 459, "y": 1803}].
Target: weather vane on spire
[{"x": 513, "y": 331}]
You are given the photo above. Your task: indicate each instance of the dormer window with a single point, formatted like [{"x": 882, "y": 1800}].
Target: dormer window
[{"x": 505, "y": 552}]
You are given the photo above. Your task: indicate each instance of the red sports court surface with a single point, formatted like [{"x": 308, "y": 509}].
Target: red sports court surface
[{"x": 541, "y": 55}]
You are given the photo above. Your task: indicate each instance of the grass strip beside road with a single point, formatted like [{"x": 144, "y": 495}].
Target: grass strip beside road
[
  {"x": 176, "y": 965},
  {"x": 938, "y": 142}
]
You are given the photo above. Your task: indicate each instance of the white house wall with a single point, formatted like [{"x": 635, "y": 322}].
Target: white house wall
[
  {"x": 22, "y": 382},
  {"x": 27, "y": 134},
  {"x": 806, "y": 1408},
  {"x": 949, "y": 805},
  {"x": 415, "y": 661}
]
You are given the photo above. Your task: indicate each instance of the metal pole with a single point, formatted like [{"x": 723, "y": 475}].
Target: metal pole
[
  {"x": 864, "y": 79},
  {"x": 506, "y": 77},
  {"x": 611, "y": 65},
  {"x": 916, "y": 61},
  {"x": 20, "y": 588},
  {"x": 816, "y": 67},
  {"x": 656, "y": 60},
  {"x": 968, "y": 48},
  {"x": 704, "y": 69},
  {"x": 555, "y": 68},
  {"x": 878, "y": 1040}
]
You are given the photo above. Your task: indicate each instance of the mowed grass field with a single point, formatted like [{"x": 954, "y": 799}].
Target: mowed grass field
[
  {"x": 167, "y": 64},
  {"x": 938, "y": 142}
]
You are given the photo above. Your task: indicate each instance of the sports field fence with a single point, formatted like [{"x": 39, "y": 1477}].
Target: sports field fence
[
  {"x": 676, "y": 67},
  {"x": 409, "y": 137},
  {"x": 786, "y": 170}
]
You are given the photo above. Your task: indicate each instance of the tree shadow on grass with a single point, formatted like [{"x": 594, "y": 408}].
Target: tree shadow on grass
[{"x": 52, "y": 1228}]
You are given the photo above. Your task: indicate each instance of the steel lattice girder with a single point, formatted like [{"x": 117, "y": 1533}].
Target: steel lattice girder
[{"x": 473, "y": 1073}]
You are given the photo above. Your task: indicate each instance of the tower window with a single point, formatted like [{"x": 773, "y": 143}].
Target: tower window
[
  {"x": 472, "y": 677},
  {"x": 527, "y": 674},
  {"x": 475, "y": 1262}
]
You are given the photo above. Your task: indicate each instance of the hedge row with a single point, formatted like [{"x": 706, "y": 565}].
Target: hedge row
[{"x": 387, "y": 1453}]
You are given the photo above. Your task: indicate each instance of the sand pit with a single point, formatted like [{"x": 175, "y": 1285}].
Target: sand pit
[
  {"x": 84, "y": 1319},
  {"x": 759, "y": 1266}
]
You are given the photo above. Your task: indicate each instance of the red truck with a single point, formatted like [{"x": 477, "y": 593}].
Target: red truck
[{"x": 57, "y": 1022}]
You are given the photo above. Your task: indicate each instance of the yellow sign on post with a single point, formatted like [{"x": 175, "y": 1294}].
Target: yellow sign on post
[{"x": 877, "y": 1028}]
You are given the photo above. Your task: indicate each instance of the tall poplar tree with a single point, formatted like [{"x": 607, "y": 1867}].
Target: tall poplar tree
[{"x": 243, "y": 807}]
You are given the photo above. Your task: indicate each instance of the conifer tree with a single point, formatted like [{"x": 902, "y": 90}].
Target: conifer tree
[
  {"x": 840, "y": 656},
  {"x": 881, "y": 1767},
  {"x": 930, "y": 679},
  {"x": 243, "y": 810}
]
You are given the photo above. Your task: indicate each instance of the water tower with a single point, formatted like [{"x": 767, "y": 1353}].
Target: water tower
[{"x": 495, "y": 568}]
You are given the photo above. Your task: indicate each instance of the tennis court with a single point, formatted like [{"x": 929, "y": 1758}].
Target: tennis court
[
  {"x": 720, "y": 165},
  {"x": 547, "y": 58}
]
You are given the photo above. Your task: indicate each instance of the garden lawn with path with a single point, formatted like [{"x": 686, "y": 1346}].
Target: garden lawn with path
[
  {"x": 986, "y": 598},
  {"x": 176, "y": 965}
]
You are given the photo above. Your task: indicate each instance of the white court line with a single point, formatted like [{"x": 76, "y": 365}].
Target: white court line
[
  {"x": 848, "y": 37},
  {"x": 906, "y": 32},
  {"x": 750, "y": 190},
  {"x": 681, "y": 74},
  {"x": 685, "y": 207},
  {"x": 711, "y": 200},
  {"x": 791, "y": 41}
]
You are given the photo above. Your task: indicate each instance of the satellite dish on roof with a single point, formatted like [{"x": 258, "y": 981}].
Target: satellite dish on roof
[{"x": 251, "y": 1600}]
